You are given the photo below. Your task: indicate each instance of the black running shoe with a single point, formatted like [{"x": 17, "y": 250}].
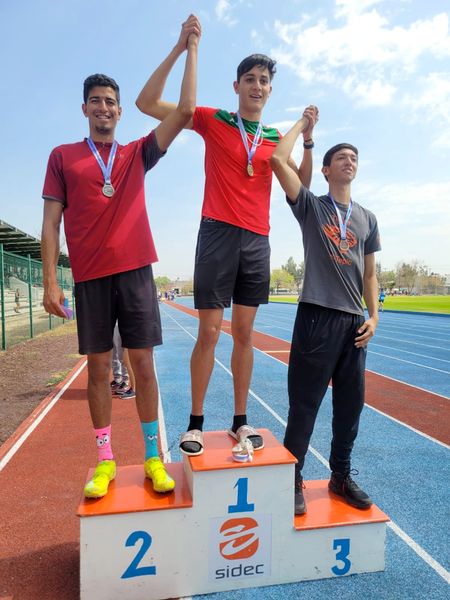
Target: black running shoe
[
  {"x": 299, "y": 499},
  {"x": 344, "y": 486}
]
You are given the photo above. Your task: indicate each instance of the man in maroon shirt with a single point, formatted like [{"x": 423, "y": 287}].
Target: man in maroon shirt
[{"x": 98, "y": 185}]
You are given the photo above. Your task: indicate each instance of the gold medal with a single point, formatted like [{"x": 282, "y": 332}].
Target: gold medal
[{"x": 250, "y": 170}]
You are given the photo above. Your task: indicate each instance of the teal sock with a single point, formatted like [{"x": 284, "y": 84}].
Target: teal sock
[{"x": 150, "y": 431}]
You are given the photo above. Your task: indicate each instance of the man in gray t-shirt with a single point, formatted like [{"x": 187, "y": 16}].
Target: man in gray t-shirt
[{"x": 331, "y": 332}]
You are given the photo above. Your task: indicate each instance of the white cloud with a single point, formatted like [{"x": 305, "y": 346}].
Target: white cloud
[
  {"x": 223, "y": 11},
  {"x": 365, "y": 56},
  {"x": 346, "y": 7},
  {"x": 431, "y": 102}
]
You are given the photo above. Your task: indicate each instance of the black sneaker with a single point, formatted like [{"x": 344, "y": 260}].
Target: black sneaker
[
  {"x": 115, "y": 385},
  {"x": 299, "y": 499},
  {"x": 344, "y": 486},
  {"x": 127, "y": 394}
]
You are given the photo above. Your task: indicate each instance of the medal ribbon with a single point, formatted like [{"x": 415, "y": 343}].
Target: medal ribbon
[
  {"x": 106, "y": 170},
  {"x": 342, "y": 223},
  {"x": 250, "y": 151}
]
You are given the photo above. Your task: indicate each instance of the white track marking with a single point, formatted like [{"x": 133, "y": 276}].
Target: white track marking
[
  {"x": 5, "y": 460},
  {"x": 409, "y": 362},
  {"x": 423, "y": 554},
  {"x": 161, "y": 422}
]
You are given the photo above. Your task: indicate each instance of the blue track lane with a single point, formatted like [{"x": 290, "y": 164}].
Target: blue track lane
[{"x": 406, "y": 473}]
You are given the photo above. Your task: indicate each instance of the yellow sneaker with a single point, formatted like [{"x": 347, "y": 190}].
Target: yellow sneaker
[
  {"x": 156, "y": 471},
  {"x": 97, "y": 487}
]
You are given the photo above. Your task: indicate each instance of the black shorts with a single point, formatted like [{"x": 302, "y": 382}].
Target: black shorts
[
  {"x": 230, "y": 263},
  {"x": 128, "y": 298}
]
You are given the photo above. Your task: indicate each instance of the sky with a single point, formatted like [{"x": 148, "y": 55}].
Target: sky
[{"x": 379, "y": 71}]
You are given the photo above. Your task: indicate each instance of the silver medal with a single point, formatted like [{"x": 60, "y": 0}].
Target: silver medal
[{"x": 108, "y": 190}]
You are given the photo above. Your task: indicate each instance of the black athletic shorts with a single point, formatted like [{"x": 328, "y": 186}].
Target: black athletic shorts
[
  {"x": 230, "y": 263},
  {"x": 128, "y": 298}
]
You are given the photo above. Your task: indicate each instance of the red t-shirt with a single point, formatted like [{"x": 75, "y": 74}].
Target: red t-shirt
[
  {"x": 231, "y": 195},
  {"x": 104, "y": 235}
]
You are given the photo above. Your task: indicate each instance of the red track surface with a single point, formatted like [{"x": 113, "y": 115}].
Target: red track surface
[
  {"x": 40, "y": 492},
  {"x": 426, "y": 412},
  {"x": 41, "y": 486}
]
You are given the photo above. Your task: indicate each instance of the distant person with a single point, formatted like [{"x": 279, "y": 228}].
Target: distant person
[
  {"x": 232, "y": 260},
  {"x": 331, "y": 332},
  {"x": 123, "y": 384},
  {"x": 99, "y": 187},
  {"x": 17, "y": 300},
  {"x": 381, "y": 300}
]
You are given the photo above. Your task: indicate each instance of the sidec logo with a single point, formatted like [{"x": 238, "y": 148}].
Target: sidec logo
[
  {"x": 240, "y": 545},
  {"x": 241, "y": 539}
]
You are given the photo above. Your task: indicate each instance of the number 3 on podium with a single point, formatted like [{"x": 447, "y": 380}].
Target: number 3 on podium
[{"x": 343, "y": 547}]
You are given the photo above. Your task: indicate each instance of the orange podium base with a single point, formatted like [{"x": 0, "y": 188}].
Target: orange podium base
[{"x": 227, "y": 525}]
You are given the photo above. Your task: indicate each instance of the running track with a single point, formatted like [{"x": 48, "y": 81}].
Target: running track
[{"x": 401, "y": 451}]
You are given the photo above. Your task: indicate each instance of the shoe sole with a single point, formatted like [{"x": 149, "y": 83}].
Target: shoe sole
[
  {"x": 348, "y": 501},
  {"x": 87, "y": 495},
  {"x": 162, "y": 491},
  {"x": 255, "y": 448},
  {"x": 191, "y": 453},
  {"x": 159, "y": 489}
]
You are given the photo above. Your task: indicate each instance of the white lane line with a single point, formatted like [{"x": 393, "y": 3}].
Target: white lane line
[
  {"x": 372, "y": 344},
  {"x": 417, "y": 335},
  {"x": 161, "y": 421},
  {"x": 409, "y": 362},
  {"x": 416, "y": 387},
  {"x": 425, "y": 435},
  {"x": 423, "y": 554},
  {"x": 380, "y": 335},
  {"x": 5, "y": 460}
]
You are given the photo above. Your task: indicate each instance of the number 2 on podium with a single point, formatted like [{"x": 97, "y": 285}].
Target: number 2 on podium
[{"x": 134, "y": 570}]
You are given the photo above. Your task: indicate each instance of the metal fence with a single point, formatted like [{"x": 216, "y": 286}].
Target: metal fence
[{"x": 21, "y": 293}]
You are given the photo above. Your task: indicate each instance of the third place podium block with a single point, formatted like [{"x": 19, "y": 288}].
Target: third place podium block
[{"x": 227, "y": 525}]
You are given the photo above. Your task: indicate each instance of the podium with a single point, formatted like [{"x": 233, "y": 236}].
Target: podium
[{"x": 227, "y": 525}]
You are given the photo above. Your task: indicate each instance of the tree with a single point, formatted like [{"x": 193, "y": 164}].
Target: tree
[
  {"x": 280, "y": 278},
  {"x": 407, "y": 275},
  {"x": 296, "y": 270},
  {"x": 162, "y": 282},
  {"x": 386, "y": 280},
  {"x": 187, "y": 287}
]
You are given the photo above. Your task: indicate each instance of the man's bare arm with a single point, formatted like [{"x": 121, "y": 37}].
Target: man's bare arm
[
  {"x": 174, "y": 122},
  {"x": 53, "y": 294},
  {"x": 282, "y": 163},
  {"x": 150, "y": 99},
  {"x": 370, "y": 294}
]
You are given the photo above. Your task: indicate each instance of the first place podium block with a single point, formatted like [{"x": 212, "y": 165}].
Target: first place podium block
[{"x": 226, "y": 526}]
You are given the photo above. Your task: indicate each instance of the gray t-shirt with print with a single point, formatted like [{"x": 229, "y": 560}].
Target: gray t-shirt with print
[{"x": 334, "y": 277}]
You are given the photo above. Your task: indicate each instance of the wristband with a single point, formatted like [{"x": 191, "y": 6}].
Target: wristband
[{"x": 308, "y": 146}]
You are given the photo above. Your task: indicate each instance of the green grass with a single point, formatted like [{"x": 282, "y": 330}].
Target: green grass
[{"x": 434, "y": 304}]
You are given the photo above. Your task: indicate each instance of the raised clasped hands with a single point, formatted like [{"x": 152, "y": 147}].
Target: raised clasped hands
[
  {"x": 311, "y": 113},
  {"x": 191, "y": 30}
]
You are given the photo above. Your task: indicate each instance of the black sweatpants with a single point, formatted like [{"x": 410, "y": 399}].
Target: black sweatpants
[{"x": 323, "y": 349}]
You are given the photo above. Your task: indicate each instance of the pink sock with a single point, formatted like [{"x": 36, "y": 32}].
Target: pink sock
[{"x": 103, "y": 441}]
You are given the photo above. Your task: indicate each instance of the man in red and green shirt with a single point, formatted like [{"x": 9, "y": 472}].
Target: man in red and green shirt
[{"x": 232, "y": 260}]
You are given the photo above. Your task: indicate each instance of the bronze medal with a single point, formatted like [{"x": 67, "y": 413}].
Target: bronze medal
[
  {"x": 250, "y": 170},
  {"x": 343, "y": 245}
]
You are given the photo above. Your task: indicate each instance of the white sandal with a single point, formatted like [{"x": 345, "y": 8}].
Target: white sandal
[
  {"x": 245, "y": 431},
  {"x": 188, "y": 439}
]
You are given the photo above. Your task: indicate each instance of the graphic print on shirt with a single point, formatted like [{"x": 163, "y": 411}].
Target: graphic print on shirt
[{"x": 333, "y": 233}]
